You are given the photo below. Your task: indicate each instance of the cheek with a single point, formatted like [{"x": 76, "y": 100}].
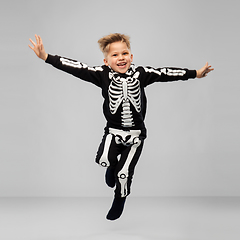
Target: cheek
[
  {"x": 110, "y": 62},
  {"x": 129, "y": 59},
  {"x": 114, "y": 61}
]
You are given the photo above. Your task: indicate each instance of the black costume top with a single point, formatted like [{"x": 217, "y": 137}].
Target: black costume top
[{"x": 125, "y": 101}]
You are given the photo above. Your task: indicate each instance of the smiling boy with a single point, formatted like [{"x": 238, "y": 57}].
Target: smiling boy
[
  {"x": 124, "y": 106},
  {"x": 118, "y": 57}
]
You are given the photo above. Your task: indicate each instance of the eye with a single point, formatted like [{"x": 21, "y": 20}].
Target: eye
[
  {"x": 126, "y": 53},
  {"x": 114, "y": 55}
]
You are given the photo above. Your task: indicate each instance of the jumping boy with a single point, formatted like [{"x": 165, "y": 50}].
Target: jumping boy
[{"x": 124, "y": 106}]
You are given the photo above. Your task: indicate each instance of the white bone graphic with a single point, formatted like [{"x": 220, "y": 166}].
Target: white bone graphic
[
  {"x": 123, "y": 174},
  {"x": 125, "y": 91},
  {"x": 127, "y": 138},
  {"x": 104, "y": 162}
]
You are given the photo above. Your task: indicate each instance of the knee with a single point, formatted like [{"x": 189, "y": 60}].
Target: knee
[
  {"x": 102, "y": 161},
  {"x": 122, "y": 176}
]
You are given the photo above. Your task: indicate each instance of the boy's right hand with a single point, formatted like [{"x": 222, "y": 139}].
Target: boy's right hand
[{"x": 38, "y": 47}]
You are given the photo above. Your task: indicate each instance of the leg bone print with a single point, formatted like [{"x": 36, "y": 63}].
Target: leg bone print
[
  {"x": 122, "y": 159},
  {"x": 123, "y": 174},
  {"x": 125, "y": 91},
  {"x": 132, "y": 140}
]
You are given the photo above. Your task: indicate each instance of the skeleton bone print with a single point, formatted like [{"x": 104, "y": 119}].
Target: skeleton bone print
[
  {"x": 124, "y": 108},
  {"x": 125, "y": 91},
  {"x": 124, "y": 105}
]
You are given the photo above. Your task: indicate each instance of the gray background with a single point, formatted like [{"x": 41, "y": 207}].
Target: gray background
[{"x": 52, "y": 123}]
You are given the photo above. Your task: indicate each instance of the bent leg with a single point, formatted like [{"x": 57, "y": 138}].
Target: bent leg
[
  {"x": 107, "y": 154},
  {"x": 110, "y": 176},
  {"x": 124, "y": 174},
  {"x": 125, "y": 168},
  {"x": 102, "y": 157}
]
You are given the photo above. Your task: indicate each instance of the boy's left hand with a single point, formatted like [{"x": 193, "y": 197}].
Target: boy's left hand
[{"x": 204, "y": 71}]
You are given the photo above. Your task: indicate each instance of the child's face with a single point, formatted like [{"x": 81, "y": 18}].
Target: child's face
[{"x": 119, "y": 57}]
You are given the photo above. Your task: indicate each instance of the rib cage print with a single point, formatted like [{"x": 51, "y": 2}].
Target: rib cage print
[{"x": 125, "y": 91}]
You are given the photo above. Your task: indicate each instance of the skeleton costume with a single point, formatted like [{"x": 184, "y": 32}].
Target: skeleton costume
[{"x": 124, "y": 108}]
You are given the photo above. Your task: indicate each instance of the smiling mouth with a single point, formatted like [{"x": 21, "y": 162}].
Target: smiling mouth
[{"x": 121, "y": 64}]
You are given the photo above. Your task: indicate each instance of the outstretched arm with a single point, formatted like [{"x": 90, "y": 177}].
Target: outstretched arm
[
  {"x": 38, "y": 47},
  {"x": 204, "y": 71}
]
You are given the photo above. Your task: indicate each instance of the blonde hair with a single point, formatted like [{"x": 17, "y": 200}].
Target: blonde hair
[{"x": 104, "y": 42}]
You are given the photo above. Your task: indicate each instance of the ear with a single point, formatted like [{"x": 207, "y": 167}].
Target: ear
[
  {"x": 131, "y": 57},
  {"x": 105, "y": 61}
]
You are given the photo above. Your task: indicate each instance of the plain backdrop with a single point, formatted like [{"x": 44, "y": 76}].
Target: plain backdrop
[{"x": 51, "y": 123}]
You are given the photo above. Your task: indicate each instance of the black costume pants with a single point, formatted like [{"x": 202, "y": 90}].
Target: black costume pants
[{"x": 120, "y": 150}]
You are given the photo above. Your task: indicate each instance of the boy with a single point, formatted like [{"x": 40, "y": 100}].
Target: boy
[{"x": 124, "y": 106}]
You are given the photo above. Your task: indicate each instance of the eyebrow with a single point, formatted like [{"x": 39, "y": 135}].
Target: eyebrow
[{"x": 125, "y": 50}]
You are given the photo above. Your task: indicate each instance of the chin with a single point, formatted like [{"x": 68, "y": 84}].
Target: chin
[{"x": 124, "y": 70}]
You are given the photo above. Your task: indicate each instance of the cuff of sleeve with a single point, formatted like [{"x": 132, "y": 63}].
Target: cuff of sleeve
[
  {"x": 192, "y": 74},
  {"x": 49, "y": 58}
]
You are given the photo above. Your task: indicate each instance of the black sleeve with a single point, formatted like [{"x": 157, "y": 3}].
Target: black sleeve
[
  {"x": 77, "y": 69},
  {"x": 166, "y": 74}
]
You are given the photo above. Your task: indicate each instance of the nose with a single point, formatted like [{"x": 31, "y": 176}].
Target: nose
[{"x": 121, "y": 56}]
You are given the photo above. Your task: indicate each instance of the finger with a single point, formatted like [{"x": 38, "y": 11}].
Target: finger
[
  {"x": 210, "y": 69},
  {"x": 31, "y": 47},
  {"x": 33, "y": 43},
  {"x": 205, "y": 67},
  {"x": 40, "y": 40},
  {"x": 37, "y": 40},
  {"x": 204, "y": 74}
]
